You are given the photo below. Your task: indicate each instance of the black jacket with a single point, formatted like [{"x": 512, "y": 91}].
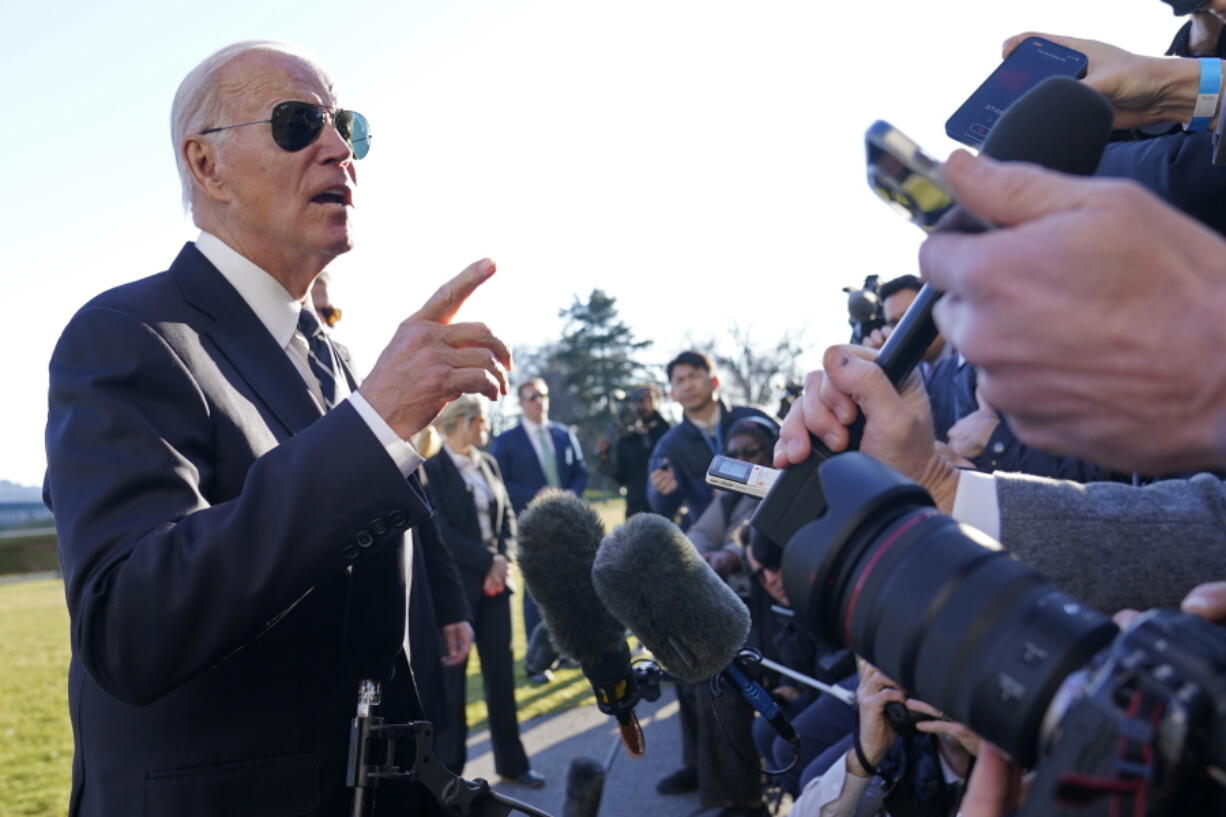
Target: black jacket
[
  {"x": 458, "y": 523},
  {"x": 232, "y": 558}
]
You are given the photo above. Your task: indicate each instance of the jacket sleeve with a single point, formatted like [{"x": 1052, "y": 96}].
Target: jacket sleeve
[
  {"x": 1005, "y": 452},
  {"x": 1113, "y": 545},
  {"x": 507, "y": 528},
  {"x": 836, "y": 793},
  {"x": 162, "y": 582},
  {"x": 446, "y": 587},
  {"x": 1178, "y": 168},
  {"x": 707, "y": 532},
  {"x": 664, "y": 504}
]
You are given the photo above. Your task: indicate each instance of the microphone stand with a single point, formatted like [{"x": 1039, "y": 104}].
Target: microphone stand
[{"x": 381, "y": 752}]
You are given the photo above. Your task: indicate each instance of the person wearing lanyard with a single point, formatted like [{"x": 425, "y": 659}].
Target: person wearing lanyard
[{"x": 478, "y": 525}]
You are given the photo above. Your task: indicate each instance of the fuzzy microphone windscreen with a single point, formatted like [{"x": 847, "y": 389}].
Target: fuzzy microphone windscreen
[
  {"x": 650, "y": 576},
  {"x": 559, "y": 534}
]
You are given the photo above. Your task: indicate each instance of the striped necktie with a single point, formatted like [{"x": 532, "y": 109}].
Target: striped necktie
[{"x": 320, "y": 355}]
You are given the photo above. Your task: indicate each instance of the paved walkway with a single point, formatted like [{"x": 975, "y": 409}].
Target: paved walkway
[{"x": 630, "y": 786}]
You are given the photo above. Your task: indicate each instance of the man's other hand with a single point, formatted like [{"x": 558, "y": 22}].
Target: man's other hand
[
  {"x": 969, "y": 436},
  {"x": 1093, "y": 315},
  {"x": 663, "y": 480},
  {"x": 457, "y": 641},
  {"x": 431, "y": 361},
  {"x": 877, "y": 338}
]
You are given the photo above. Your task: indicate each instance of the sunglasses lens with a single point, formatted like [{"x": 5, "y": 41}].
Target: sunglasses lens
[
  {"x": 356, "y": 130},
  {"x": 296, "y": 125}
]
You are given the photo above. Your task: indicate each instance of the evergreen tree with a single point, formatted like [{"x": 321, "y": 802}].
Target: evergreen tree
[{"x": 594, "y": 359}]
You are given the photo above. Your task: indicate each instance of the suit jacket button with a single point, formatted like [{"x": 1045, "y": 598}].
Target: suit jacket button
[
  {"x": 397, "y": 519},
  {"x": 378, "y": 527},
  {"x": 364, "y": 539},
  {"x": 350, "y": 552}
]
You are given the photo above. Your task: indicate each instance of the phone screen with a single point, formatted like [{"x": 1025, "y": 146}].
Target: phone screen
[{"x": 1033, "y": 60}]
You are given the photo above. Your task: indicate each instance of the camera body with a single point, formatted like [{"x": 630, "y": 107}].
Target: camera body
[
  {"x": 865, "y": 311},
  {"x": 1134, "y": 721}
]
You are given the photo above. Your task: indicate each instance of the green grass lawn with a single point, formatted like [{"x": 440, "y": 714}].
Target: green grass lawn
[{"x": 36, "y": 740}]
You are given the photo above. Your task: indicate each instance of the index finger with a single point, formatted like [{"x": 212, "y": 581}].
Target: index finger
[{"x": 448, "y": 298}]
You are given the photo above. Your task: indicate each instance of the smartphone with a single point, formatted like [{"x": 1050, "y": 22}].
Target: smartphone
[
  {"x": 904, "y": 177},
  {"x": 1032, "y": 61}
]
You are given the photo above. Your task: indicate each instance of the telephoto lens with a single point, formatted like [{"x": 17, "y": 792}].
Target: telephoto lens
[{"x": 937, "y": 605}]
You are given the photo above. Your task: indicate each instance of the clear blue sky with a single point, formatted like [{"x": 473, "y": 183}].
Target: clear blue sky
[{"x": 700, "y": 160}]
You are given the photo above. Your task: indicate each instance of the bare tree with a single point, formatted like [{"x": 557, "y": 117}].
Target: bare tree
[{"x": 755, "y": 374}]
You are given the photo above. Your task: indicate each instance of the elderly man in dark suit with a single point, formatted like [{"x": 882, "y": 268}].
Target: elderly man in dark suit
[{"x": 233, "y": 510}]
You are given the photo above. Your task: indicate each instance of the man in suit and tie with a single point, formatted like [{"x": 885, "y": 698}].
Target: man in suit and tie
[
  {"x": 233, "y": 511},
  {"x": 534, "y": 455}
]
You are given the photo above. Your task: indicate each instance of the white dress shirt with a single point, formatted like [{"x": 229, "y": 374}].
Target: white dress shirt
[
  {"x": 975, "y": 502},
  {"x": 278, "y": 311}
]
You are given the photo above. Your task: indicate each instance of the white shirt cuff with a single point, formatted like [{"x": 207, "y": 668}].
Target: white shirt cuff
[
  {"x": 402, "y": 453},
  {"x": 975, "y": 502}
]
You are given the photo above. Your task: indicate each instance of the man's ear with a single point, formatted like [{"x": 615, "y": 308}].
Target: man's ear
[
  {"x": 714, "y": 382},
  {"x": 200, "y": 155}
]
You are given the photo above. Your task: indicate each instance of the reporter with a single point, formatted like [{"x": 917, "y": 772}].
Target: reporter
[{"x": 911, "y": 774}]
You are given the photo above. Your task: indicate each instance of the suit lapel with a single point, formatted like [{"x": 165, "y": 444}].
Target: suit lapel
[
  {"x": 244, "y": 341},
  {"x": 342, "y": 354},
  {"x": 528, "y": 446}
]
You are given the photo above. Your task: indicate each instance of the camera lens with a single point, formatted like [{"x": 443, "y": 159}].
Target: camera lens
[{"x": 936, "y": 605}]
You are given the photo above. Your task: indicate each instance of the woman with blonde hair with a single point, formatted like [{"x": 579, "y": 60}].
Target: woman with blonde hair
[{"x": 478, "y": 525}]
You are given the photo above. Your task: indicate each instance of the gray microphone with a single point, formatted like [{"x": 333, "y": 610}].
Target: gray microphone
[
  {"x": 650, "y": 576},
  {"x": 559, "y": 535}
]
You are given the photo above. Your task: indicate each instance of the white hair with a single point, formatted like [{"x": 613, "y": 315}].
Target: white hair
[{"x": 199, "y": 102}]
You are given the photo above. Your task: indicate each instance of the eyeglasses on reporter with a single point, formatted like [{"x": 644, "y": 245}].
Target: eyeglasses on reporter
[{"x": 297, "y": 124}]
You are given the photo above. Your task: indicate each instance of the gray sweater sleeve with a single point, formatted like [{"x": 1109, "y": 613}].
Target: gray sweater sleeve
[{"x": 1113, "y": 545}]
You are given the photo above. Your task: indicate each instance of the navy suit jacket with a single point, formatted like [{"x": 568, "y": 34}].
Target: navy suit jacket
[
  {"x": 951, "y": 393},
  {"x": 521, "y": 469},
  {"x": 232, "y": 559},
  {"x": 1178, "y": 167}
]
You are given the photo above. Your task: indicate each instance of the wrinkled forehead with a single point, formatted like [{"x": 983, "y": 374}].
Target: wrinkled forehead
[{"x": 252, "y": 83}]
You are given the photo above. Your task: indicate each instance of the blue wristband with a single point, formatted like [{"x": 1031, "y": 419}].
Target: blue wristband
[{"x": 1208, "y": 93}]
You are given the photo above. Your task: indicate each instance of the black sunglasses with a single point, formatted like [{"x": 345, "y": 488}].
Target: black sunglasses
[
  {"x": 747, "y": 453},
  {"x": 297, "y": 124}
]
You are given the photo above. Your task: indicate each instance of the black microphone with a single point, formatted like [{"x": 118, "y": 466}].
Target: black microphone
[
  {"x": 1060, "y": 124},
  {"x": 559, "y": 534},
  {"x": 651, "y": 577}
]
